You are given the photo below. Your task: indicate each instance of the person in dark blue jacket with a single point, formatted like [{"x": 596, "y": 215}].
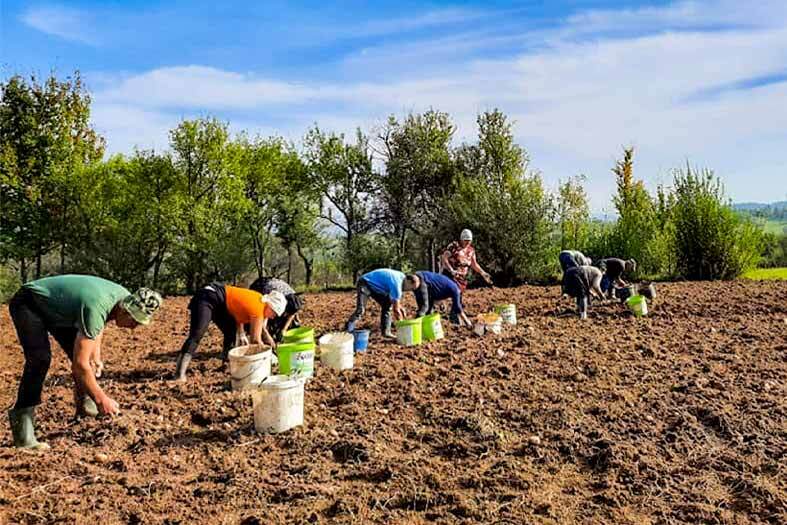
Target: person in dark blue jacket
[{"x": 433, "y": 288}]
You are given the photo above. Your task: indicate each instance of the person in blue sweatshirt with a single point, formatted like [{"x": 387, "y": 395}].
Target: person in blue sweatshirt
[
  {"x": 385, "y": 286},
  {"x": 432, "y": 288}
]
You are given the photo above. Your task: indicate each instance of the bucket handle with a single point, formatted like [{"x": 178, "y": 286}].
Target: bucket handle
[{"x": 241, "y": 378}]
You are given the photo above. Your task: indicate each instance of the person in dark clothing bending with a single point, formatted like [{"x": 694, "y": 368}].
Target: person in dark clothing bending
[
  {"x": 583, "y": 283},
  {"x": 571, "y": 258},
  {"x": 289, "y": 319},
  {"x": 230, "y": 308},
  {"x": 614, "y": 269},
  {"x": 434, "y": 287}
]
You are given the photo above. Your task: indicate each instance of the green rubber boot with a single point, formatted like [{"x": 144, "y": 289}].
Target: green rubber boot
[
  {"x": 85, "y": 406},
  {"x": 23, "y": 428}
]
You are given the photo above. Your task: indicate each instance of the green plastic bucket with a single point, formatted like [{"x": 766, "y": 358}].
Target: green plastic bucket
[
  {"x": 432, "y": 328},
  {"x": 507, "y": 313},
  {"x": 638, "y": 305},
  {"x": 296, "y": 358},
  {"x": 408, "y": 332},
  {"x": 299, "y": 335}
]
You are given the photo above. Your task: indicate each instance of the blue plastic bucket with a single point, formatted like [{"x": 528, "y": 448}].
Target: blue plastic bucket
[{"x": 360, "y": 340}]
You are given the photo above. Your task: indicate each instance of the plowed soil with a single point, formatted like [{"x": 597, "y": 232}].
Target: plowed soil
[{"x": 678, "y": 417}]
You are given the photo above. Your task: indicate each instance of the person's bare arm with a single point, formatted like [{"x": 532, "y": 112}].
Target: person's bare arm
[
  {"x": 287, "y": 324},
  {"x": 259, "y": 332},
  {"x": 477, "y": 268},
  {"x": 84, "y": 349},
  {"x": 595, "y": 286},
  {"x": 446, "y": 263},
  {"x": 463, "y": 318},
  {"x": 398, "y": 311},
  {"x": 95, "y": 360}
]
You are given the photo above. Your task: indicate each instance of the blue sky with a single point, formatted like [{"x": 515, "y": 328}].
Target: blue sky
[{"x": 697, "y": 80}]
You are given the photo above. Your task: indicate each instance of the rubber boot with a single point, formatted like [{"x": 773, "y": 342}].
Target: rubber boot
[
  {"x": 23, "y": 429},
  {"x": 182, "y": 366},
  {"x": 85, "y": 406}
]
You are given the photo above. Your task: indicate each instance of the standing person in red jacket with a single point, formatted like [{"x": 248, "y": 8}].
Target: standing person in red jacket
[{"x": 459, "y": 258}]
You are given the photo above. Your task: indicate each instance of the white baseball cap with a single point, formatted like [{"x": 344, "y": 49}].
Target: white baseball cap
[{"x": 466, "y": 235}]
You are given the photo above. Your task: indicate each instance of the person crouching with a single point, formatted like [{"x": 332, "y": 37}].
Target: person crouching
[
  {"x": 583, "y": 283},
  {"x": 229, "y": 308}
]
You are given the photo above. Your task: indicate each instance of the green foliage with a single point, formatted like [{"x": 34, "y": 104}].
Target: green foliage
[
  {"x": 774, "y": 254},
  {"x": 711, "y": 240},
  {"x": 417, "y": 182},
  {"x": 507, "y": 208},
  {"x": 573, "y": 214},
  {"x": 638, "y": 233},
  {"x": 220, "y": 207},
  {"x": 343, "y": 175},
  {"x": 371, "y": 251},
  {"x": 9, "y": 283},
  {"x": 213, "y": 203},
  {"x": 45, "y": 137},
  {"x": 767, "y": 274}
]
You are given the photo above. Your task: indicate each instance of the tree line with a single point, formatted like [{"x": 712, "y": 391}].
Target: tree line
[{"x": 217, "y": 206}]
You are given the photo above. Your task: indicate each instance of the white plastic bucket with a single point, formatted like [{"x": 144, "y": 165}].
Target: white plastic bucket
[
  {"x": 507, "y": 313},
  {"x": 249, "y": 366},
  {"x": 486, "y": 327},
  {"x": 278, "y": 404},
  {"x": 336, "y": 351}
]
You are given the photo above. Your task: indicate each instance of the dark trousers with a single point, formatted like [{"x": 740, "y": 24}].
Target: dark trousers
[
  {"x": 33, "y": 332},
  {"x": 209, "y": 304},
  {"x": 364, "y": 293},
  {"x": 576, "y": 285}
]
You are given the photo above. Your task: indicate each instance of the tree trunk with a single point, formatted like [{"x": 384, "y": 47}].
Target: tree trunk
[
  {"x": 432, "y": 257},
  {"x": 289, "y": 264},
  {"x": 402, "y": 244},
  {"x": 23, "y": 269},
  {"x": 308, "y": 264},
  {"x": 38, "y": 263},
  {"x": 63, "y": 257},
  {"x": 349, "y": 250}
]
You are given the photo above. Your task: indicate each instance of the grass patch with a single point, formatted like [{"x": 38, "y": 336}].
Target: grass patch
[{"x": 762, "y": 274}]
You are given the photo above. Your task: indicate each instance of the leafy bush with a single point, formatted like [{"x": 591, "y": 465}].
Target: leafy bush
[
  {"x": 9, "y": 283},
  {"x": 774, "y": 254},
  {"x": 508, "y": 209},
  {"x": 711, "y": 240},
  {"x": 369, "y": 252}
]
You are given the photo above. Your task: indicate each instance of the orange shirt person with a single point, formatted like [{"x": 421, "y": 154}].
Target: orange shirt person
[{"x": 229, "y": 307}]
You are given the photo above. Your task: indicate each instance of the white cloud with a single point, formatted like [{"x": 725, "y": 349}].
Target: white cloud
[
  {"x": 63, "y": 22},
  {"x": 576, "y": 101}
]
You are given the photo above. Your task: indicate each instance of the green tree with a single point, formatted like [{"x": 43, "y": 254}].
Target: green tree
[
  {"x": 418, "y": 178},
  {"x": 711, "y": 240},
  {"x": 573, "y": 214},
  {"x": 45, "y": 138},
  {"x": 297, "y": 217},
  {"x": 213, "y": 203},
  {"x": 636, "y": 234},
  {"x": 344, "y": 175},
  {"x": 505, "y": 204}
]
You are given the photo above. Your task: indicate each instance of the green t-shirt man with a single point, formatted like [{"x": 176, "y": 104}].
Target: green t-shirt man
[{"x": 83, "y": 302}]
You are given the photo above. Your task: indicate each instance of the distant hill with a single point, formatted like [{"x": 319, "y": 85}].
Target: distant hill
[
  {"x": 757, "y": 206},
  {"x": 771, "y": 217}
]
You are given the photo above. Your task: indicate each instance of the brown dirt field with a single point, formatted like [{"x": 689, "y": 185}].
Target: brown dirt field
[{"x": 679, "y": 417}]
